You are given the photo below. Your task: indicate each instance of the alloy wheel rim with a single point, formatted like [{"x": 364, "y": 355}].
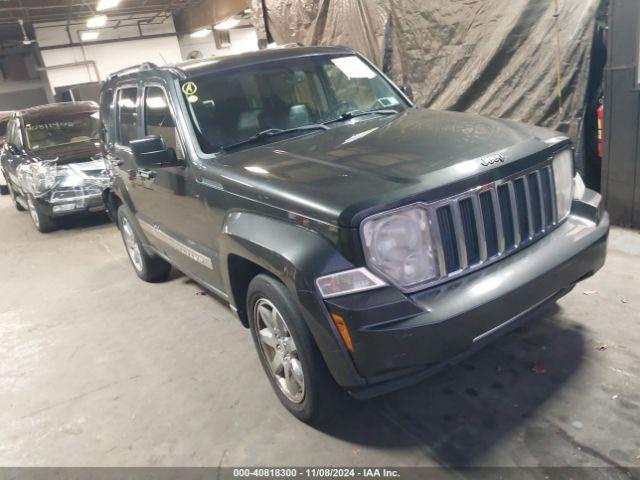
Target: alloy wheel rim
[
  {"x": 132, "y": 245},
  {"x": 32, "y": 211},
  {"x": 279, "y": 349}
]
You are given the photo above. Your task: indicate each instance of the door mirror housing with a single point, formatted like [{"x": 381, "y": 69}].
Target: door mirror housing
[
  {"x": 408, "y": 91},
  {"x": 151, "y": 152}
]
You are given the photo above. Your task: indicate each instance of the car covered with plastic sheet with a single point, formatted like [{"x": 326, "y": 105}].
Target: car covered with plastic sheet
[{"x": 52, "y": 161}]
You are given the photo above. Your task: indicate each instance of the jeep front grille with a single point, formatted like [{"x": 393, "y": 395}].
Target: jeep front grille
[{"x": 489, "y": 222}]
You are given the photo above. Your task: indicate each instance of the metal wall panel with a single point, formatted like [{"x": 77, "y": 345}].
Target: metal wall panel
[
  {"x": 621, "y": 167},
  {"x": 18, "y": 99}
]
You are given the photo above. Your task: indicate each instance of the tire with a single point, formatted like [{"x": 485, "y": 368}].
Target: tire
[
  {"x": 43, "y": 222},
  {"x": 314, "y": 399},
  {"x": 150, "y": 268},
  {"x": 12, "y": 194}
]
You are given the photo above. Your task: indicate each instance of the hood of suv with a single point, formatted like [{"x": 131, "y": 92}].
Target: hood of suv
[
  {"x": 378, "y": 162},
  {"x": 68, "y": 153}
]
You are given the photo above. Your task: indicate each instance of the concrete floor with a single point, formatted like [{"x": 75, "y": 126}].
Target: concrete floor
[{"x": 98, "y": 368}]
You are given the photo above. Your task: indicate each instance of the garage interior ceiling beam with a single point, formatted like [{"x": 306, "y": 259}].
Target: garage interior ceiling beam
[
  {"x": 204, "y": 13},
  {"x": 37, "y": 11}
]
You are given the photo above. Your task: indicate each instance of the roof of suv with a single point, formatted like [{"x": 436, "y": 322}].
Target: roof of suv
[
  {"x": 207, "y": 65},
  {"x": 198, "y": 67},
  {"x": 64, "y": 108}
]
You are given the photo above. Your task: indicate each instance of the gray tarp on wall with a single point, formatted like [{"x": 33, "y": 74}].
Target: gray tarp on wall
[{"x": 494, "y": 57}]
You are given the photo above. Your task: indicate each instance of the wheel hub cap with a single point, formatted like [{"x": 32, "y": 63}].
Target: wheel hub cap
[
  {"x": 131, "y": 244},
  {"x": 280, "y": 350}
]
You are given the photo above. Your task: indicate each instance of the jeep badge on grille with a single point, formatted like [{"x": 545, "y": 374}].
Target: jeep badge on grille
[{"x": 491, "y": 159}]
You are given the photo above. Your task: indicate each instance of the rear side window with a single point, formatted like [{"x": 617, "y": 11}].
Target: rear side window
[
  {"x": 9, "y": 132},
  {"x": 127, "y": 115},
  {"x": 158, "y": 119}
]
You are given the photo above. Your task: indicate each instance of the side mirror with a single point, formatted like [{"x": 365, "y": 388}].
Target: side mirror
[
  {"x": 408, "y": 91},
  {"x": 151, "y": 152}
]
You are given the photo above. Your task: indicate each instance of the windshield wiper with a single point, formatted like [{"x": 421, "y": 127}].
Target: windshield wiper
[
  {"x": 274, "y": 132},
  {"x": 358, "y": 113}
]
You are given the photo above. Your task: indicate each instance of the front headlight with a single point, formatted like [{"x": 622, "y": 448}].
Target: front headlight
[
  {"x": 38, "y": 177},
  {"x": 563, "y": 176},
  {"x": 399, "y": 246}
]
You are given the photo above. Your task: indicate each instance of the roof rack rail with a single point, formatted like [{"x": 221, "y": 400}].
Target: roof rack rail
[{"x": 136, "y": 68}]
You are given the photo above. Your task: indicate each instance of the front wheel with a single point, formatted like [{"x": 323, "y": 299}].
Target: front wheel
[
  {"x": 148, "y": 267},
  {"x": 288, "y": 352},
  {"x": 43, "y": 222}
]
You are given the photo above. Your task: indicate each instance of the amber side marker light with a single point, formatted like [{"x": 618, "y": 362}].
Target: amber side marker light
[{"x": 344, "y": 331}]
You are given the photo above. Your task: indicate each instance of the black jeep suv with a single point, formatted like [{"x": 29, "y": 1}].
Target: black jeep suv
[
  {"x": 365, "y": 243},
  {"x": 51, "y": 160}
]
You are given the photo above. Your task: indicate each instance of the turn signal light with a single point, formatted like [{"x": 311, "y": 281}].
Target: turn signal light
[{"x": 344, "y": 331}]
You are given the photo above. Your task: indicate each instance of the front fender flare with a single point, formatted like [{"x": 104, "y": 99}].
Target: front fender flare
[{"x": 296, "y": 256}]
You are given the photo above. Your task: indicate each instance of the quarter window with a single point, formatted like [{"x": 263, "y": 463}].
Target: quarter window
[
  {"x": 158, "y": 119},
  {"x": 127, "y": 115}
]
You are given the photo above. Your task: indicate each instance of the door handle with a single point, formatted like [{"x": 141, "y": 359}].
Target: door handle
[{"x": 146, "y": 174}]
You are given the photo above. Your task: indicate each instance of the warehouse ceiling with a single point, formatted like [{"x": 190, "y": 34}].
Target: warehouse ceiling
[{"x": 72, "y": 11}]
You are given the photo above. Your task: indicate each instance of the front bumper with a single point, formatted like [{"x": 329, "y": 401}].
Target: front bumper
[
  {"x": 71, "y": 204},
  {"x": 399, "y": 339}
]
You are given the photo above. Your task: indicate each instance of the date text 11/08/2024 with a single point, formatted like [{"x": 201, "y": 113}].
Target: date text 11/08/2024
[{"x": 316, "y": 472}]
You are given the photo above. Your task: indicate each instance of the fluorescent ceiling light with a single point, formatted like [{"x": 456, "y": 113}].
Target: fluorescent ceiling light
[
  {"x": 107, "y": 4},
  {"x": 200, "y": 33},
  {"x": 97, "y": 21},
  {"x": 88, "y": 36},
  {"x": 227, "y": 24}
]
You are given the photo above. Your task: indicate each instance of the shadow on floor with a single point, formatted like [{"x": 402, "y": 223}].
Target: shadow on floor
[
  {"x": 84, "y": 222},
  {"x": 462, "y": 412}
]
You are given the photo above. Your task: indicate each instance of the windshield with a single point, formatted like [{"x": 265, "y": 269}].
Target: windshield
[
  {"x": 230, "y": 107},
  {"x": 64, "y": 130}
]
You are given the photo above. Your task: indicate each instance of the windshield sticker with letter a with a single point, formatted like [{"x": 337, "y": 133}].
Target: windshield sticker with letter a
[{"x": 189, "y": 88}]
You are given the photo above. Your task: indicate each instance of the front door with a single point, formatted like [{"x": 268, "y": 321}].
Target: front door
[{"x": 169, "y": 201}]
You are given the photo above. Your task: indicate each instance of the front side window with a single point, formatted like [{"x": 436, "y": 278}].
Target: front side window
[
  {"x": 61, "y": 129},
  {"x": 127, "y": 115},
  {"x": 158, "y": 119},
  {"x": 229, "y": 107},
  {"x": 106, "y": 101}
]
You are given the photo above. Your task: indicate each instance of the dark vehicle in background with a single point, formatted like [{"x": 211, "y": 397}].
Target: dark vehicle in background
[
  {"x": 4, "y": 119},
  {"x": 52, "y": 161},
  {"x": 365, "y": 243}
]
